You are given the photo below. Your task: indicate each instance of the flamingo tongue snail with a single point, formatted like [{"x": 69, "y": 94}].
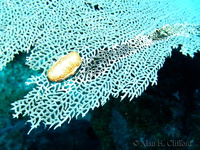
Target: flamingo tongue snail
[{"x": 64, "y": 67}]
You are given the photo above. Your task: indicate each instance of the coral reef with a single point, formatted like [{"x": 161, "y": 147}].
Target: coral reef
[{"x": 122, "y": 44}]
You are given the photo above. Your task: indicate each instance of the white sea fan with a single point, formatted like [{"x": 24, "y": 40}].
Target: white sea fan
[{"x": 122, "y": 44}]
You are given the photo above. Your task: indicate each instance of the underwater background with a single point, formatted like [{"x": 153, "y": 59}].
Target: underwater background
[{"x": 165, "y": 116}]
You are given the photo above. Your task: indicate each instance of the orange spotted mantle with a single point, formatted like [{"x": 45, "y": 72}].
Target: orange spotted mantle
[{"x": 64, "y": 67}]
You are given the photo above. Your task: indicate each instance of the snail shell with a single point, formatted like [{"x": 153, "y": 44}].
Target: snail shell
[{"x": 64, "y": 67}]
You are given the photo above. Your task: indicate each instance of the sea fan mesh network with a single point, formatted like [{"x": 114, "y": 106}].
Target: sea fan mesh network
[{"x": 122, "y": 44}]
